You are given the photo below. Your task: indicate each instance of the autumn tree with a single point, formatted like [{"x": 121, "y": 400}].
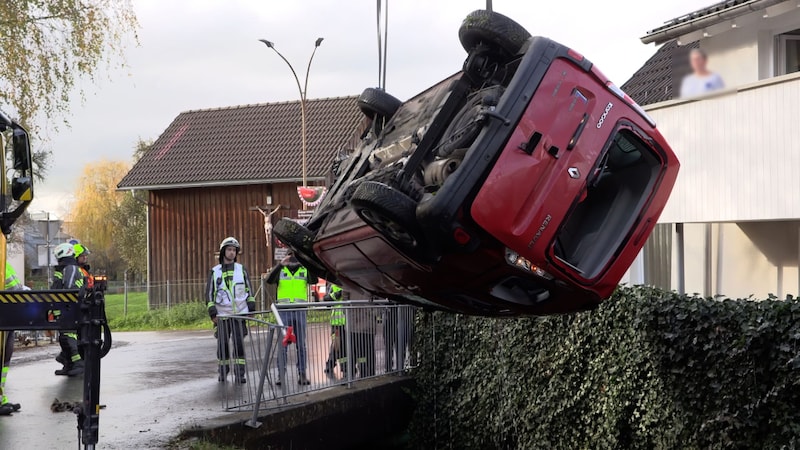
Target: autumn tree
[
  {"x": 91, "y": 215},
  {"x": 48, "y": 46},
  {"x": 130, "y": 224}
]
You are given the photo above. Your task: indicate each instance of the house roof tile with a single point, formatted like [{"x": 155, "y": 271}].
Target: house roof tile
[
  {"x": 659, "y": 78},
  {"x": 245, "y": 144},
  {"x": 716, "y": 8}
]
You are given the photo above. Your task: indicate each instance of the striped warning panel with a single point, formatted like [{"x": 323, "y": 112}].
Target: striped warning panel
[{"x": 38, "y": 297}]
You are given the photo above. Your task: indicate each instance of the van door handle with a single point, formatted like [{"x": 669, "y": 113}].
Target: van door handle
[{"x": 578, "y": 131}]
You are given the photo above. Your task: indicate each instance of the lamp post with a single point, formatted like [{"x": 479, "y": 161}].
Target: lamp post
[{"x": 303, "y": 89}]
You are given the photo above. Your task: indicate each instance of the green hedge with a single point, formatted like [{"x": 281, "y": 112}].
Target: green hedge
[{"x": 648, "y": 369}]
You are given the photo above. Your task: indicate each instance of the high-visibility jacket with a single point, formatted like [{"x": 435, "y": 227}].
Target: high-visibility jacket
[
  {"x": 12, "y": 282},
  {"x": 229, "y": 297},
  {"x": 89, "y": 278},
  {"x": 338, "y": 317},
  {"x": 293, "y": 287},
  {"x": 67, "y": 275}
]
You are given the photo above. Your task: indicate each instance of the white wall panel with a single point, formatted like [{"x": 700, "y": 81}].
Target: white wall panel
[{"x": 739, "y": 153}]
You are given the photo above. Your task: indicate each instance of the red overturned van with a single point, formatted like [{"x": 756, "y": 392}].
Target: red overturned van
[{"x": 526, "y": 184}]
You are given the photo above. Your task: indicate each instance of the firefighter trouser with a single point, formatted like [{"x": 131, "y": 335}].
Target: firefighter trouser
[
  {"x": 228, "y": 330},
  {"x": 7, "y": 347},
  {"x": 364, "y": 353},
  {"x": 338, "y": 351},
  {"x": 68, "y": 340}
]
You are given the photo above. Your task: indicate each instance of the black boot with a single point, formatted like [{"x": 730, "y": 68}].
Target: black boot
[
  {"x": 302, "y": 380},
  {"x": 6, "y": 409},
  {"x": 76, "y": 369},
  {"x": 64, "y": 371}
]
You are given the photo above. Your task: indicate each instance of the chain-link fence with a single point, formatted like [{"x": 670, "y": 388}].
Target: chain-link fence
[
  {"x": 268, "y": 357},
  {"x": 169, "y": 293}
]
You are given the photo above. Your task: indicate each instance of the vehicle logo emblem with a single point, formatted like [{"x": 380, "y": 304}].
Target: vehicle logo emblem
[{"x": 574, "y": 173}]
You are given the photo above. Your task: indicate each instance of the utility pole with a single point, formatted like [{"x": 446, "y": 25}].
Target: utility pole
[
  {"x": 488, "y": 5},
  {"x": 47, "y": 240}
]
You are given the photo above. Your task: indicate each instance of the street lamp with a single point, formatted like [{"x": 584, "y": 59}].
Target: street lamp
[{"x": 303, "y": 94}]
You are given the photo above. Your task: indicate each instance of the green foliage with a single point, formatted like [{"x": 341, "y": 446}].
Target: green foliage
[
  {"x": 648, "y": 369},
  {"x": 129, "y": 221},
  {"x": 47, "y": 46},
  {"x": 129, "y": 234},
  {"x": 91, "y": 214}
]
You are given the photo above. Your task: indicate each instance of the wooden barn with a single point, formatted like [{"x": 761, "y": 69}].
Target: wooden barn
[{"x": 211, "y": 170}]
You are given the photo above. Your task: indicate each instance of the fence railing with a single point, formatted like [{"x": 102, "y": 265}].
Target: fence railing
[
  {"x": 167, "y": 294},
  {"x": 270, "y": 357}
]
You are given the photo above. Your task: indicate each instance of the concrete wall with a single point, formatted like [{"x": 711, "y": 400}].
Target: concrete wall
[{"x": 15, "y": 255}]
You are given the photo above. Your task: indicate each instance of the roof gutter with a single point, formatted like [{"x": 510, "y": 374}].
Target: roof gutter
[
  {"x": 700, "y": 23},
  {"x": 224, "y": 183}
]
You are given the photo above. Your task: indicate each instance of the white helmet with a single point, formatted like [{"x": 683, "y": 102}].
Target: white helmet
[
  {"x": 64, "y": 250},
  {"x": 229, "y": 242}
]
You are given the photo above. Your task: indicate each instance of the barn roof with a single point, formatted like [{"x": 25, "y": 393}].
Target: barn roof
[
  {"x": 245, "y": 145},
  {"x": 659, "y": 78}
]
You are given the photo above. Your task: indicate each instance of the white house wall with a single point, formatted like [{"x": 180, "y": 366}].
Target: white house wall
[
  {"x": 728, "y": 50},
  {"x": 746, "y": 54},
  {"x": 739, "y": 153},
  {"x": 746, "y": 270}
]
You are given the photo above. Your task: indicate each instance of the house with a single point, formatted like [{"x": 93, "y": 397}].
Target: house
[
  {"x": 732, "y": 224},
  {"x": 40, "y": 235},
  {"x": 210, "y": 171}
]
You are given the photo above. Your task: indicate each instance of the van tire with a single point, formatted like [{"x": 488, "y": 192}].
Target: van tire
[{"x": 494, "y": 30}]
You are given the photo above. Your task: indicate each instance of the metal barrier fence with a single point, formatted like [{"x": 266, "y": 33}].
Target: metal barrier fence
[{"x": 271, "y": 356}]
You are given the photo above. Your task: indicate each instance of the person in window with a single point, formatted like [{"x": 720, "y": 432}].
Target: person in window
[{"x": 701, "y": 80}]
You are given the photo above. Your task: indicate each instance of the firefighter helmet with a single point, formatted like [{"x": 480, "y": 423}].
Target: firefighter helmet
[
  {"x": 229, "y": 242},
  {"x": 64, "y": 250},
  {"x": 81, "y": 249}
]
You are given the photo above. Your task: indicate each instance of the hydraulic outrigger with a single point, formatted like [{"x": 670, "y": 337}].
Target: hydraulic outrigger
[{"x": 82, "y": 310}]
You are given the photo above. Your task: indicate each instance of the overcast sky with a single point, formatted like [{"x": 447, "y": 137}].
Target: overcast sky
[{"x": 205, "y": 53}]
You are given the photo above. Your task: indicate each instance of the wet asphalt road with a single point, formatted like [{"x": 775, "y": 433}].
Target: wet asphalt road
[{"x": 153, "y": 383}]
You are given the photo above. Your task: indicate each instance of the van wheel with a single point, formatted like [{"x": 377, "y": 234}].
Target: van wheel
[
  {"x": 492, "y": 30},
  {"x": 390, "y": 212},
  {"x": 301, "y": 241},
  {"x": 376, "y": 102}
]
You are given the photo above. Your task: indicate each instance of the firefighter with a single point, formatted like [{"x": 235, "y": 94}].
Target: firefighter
[
  {"x": 68, "y": 275},
  {"x": 228, "y": 293},
  {"x": 293, "y": 280},
  {"x": 7, "y": 347},
  {"x": 82, "y": 257},
  {"x": 337, "y": 353}
]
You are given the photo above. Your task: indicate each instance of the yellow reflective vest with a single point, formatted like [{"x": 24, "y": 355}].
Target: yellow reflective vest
[
  {"x": 293, "y": 287},
  {"x": 12, "y": 282},
  {"x": 337, "y": 314}
]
